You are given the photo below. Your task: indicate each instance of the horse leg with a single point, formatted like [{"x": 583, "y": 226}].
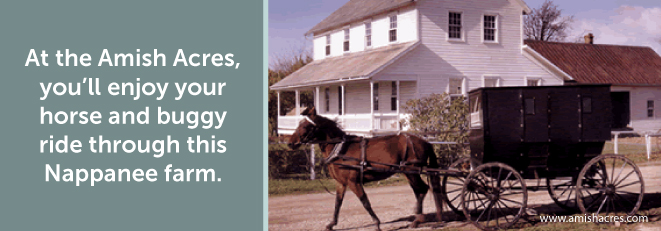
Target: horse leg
[
  {"x": 435, "y": 182},
  {"x": 420, "y": 190},
  {"x": 357, "y": 189},
  {"x": 339, "y": 197}
]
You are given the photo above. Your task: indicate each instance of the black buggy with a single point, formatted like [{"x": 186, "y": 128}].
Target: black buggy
[{"x": 519, "y": 135}]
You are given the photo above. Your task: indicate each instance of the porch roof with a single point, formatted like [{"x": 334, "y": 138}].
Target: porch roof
[{"x": 352, "y": 66}]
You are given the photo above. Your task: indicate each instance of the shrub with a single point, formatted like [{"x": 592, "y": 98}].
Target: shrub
[{"x": 438, "y": 118}]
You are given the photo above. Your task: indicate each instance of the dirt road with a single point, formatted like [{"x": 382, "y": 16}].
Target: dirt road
[{"x": 394, "y": 206}]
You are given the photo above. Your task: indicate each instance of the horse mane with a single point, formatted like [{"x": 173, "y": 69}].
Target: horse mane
[{"x": 330, "y": 126}]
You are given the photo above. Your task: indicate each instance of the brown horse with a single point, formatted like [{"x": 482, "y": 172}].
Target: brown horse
[{"x": 403, "y": 150}]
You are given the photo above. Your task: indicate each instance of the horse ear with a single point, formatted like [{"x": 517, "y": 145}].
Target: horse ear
[
  {"x": 313, "y": 111},
  {"x": 309, "y": 112}
]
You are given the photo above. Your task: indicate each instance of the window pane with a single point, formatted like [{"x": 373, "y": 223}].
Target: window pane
[
  {"x": 368, "y": 34},
  {"x": 393, "y": 22},
  {"x": 530, "y": 106},
  {"x": 339, "y": 100},
  {"x": 346, "y": 34},
  {"x": 327, "y": 100},
  {"x": 587, "y": 105},
  {"x": 533, "y": 82},
  {"x": 454, "y": 25},
  {"x": 375, "y": 97},
  {"x": 455, "y": 87},
  {"x": 490, "y": 82},
  {"x": 393, "y": 35},
  {"x": 489, "y": 28}
]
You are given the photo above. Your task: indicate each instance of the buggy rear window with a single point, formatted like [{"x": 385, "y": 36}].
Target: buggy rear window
[{"x": 475, "y": 111}]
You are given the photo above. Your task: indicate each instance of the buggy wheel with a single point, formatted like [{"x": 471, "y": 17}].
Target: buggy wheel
[
  {"x": 494, "y": 196},
  {"x": 452, "y": 185},
  {"x": 563, "y": 190},
  {"x": 618, "y": 189}
]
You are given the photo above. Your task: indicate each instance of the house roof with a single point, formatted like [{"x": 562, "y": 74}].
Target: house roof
[
  {"x": 604, "y": 64},
  {"x": 355, "y": 10},
  {"x": 352, "y": 66}
]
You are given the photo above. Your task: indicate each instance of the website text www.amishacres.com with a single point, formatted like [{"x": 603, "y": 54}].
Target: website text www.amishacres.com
[{"x": 594, "y": 218}]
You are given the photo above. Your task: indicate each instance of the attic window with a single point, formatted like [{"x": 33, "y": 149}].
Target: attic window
[
  {"x": 328, "y": 45},
  {"x": 393, "y": 28},
  {"x": 347, "y": 37}
]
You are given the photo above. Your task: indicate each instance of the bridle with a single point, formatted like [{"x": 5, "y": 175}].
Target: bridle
[{"x": 308, "y": 137}]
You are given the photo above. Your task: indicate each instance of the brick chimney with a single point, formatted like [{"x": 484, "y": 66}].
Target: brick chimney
[{"x": 589, "y": 38}]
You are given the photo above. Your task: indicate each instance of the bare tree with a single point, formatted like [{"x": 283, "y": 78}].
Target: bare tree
[{"x": 547, "y": 24}]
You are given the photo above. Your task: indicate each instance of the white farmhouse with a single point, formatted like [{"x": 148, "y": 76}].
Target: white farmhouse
[{"x": 371, "y": 56}]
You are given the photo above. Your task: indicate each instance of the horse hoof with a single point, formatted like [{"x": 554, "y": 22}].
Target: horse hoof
[
  {"x": 414, "y": 224},
  {"x": 329, "y": 227}
]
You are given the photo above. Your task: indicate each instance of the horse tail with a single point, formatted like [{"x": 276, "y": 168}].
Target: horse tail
[{"x": 431, "y": 155}]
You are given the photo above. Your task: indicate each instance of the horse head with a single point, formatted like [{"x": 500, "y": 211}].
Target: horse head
[{"x": 307, "y": 130}]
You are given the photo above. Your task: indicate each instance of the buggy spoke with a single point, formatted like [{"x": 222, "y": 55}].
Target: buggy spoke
[
  {"x": 602, "y": 204},
  {"x": 629, "y": 184},
  {"x": 619, "y": 173},
  {"x": 505, "y": 213},
  {"x": 625, "y": 177},
  {"x": 455, "y": 198},
  {"x": 625, "y": 199},
  {"x": 612, "y": 171},
  {"x": 515, "y": 202}
]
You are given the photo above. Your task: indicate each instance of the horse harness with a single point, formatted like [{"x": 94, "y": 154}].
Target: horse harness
[{"x": 341, "y": 147}]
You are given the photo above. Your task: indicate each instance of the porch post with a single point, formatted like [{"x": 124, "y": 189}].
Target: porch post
[
  {"x": 316, "y": 100},
  {"x": 344, "y": 102},
  {"x": 371, "y": 105},
  {"x": 298, "y": 102},
  {"x": 278, "y": 117},
  {"x": 398, "y": 125}
]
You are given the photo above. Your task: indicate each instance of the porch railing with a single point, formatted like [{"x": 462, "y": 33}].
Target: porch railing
[{"x": 351, "y": 123}]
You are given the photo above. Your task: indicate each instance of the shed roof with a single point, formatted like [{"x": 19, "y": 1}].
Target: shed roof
[
  {"x": 352, "y": 66},
  {"x": 603, "y": 64}
]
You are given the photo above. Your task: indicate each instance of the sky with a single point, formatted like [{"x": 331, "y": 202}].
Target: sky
[{"x": 622, "y": 22}]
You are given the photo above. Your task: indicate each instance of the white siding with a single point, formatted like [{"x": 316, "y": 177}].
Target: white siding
[
  {"x": 437, "y": 59},
  {"x": 407, "y": 31},
  {"x": 358, "y": 98},
  {"x": 638, "y": 97},
  {"x": 319, "y": 47}
]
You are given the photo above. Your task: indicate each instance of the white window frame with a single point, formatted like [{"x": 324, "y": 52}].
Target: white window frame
[
  {"x": 463, "y": 86},
  {"x": 328, "y": 49},
  {"x": 396, "y": 15},
  {"x": 539, "y": 80},
  {"x": 371, "y": 41},
  {"x": 347, "y": 39},
  {"x": 462, "y": 33},
  {"x": 491, "y": 77},
  {"x": 497, "y": 28}
]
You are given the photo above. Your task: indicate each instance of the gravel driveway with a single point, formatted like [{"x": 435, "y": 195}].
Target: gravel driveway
[{"x": 394, "y": 206}]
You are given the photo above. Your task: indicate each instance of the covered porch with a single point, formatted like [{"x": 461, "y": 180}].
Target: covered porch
[
  {"x": 350, "y": 90},
  {"x": 366, "y": 108}
]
